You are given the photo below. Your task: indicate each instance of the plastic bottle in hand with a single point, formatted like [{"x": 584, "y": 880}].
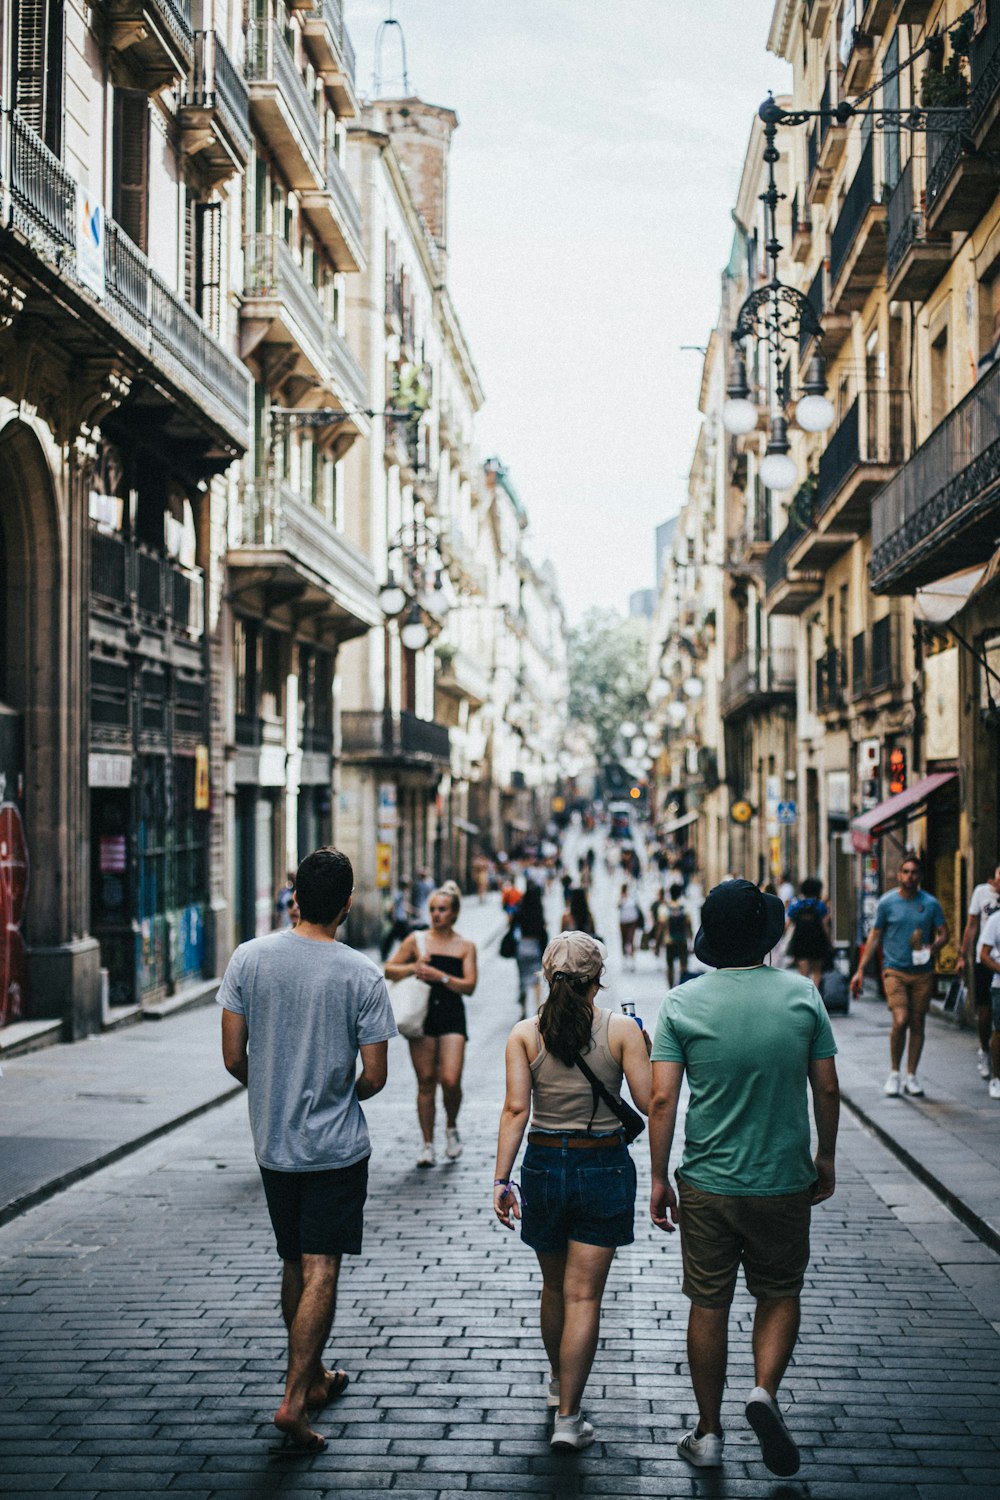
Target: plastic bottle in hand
[
  {"x": 628, "y": 1009},
  {"x": 921, "y": 953}
]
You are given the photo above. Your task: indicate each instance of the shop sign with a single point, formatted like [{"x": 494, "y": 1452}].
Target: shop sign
[
  {"x": 90, "y": 243},
  {"x": 202, "y": 789},
  {"x": 787, "y": 812},
  {"x": 383, "y": 866},
  {"x": 387, "y": 814},
  {"x": 109, "y": 771},
  {"x": 838, "y": 794},
  {"x": 741, "y": 811}
]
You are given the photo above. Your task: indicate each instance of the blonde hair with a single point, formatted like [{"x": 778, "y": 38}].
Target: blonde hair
[{"x": 451, "y": 890}]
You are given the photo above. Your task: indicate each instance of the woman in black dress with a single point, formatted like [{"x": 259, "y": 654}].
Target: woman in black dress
[
  {"x": 809, "y": 919},
  {"x": 447, "y": 962}
]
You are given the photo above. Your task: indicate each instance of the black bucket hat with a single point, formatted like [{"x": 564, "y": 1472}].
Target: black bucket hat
[{"x": 739, "y": 925}]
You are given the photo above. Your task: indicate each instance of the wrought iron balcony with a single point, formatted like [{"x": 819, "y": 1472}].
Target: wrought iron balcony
[
  {"x": 865, "y": 449},
  {"x": 961, "y": 156},
  {"x": 153, "y": 37},
  {"x": 135, "y": 299},
  {"x": 939, "y": 513},
  {"x": 346, "y": 378},
  {"x": 281, "y": 306},
  {"x": 754, "y": 682},
  {"x": 281, "y": 106},
  {"x": 328, "y": 41},
  {"x": 290, "y": 550},
  {"x": 857, "y": 244},
  {"x": 214, "y": 118},
  {"x": 788, "y": 590},
  {"x": 876, "y": 660},
  {"x": 914, "y": 262},
  {"x": 128, "y": 579},
  {"x": 336, "y": 216},
  {"x": 400, "y": 739}
]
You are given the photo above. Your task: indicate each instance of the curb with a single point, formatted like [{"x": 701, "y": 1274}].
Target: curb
[
  {"x": 960, "y": 1209},
  {"x": 19, "y": 1206}
]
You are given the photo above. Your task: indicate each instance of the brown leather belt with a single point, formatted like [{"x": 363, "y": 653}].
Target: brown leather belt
[{"x": 575, "y": 1142}]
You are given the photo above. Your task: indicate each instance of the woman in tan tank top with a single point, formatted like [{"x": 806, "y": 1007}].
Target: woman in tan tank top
[{"x": 577, "y": 1179}]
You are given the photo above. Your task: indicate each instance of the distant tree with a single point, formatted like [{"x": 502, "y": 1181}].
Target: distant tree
[{"x": 608, "y": 677}]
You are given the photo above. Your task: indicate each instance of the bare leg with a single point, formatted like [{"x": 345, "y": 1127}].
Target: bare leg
[
  {"x": 916, "y": 1045},
  {"x": 816, "y": 974},
  {"x": 984, "y": 1026},
  {"x": 775, "y": 1329},
  {"x": 450, "y": 1058},
  {"x": 708, "y": 1355},
  {"x": 324, "y": 1382},
  {"x": 309, "y": 1331},
  {"x": 424, "y": 1053},
  {"x": 897, "y": 1037},
  {"x": 995, "y": 1053},
  {"x": 803, "y": 965},
  {"x": 552, "y": 1309},
  {"x": 587, "y": 1268}
]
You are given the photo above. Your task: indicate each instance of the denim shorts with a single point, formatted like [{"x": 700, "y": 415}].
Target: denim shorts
[{"x": 587, "y": 1196}]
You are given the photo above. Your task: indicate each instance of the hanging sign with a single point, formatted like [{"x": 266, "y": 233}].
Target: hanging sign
[{"x": 90, "y": 243}]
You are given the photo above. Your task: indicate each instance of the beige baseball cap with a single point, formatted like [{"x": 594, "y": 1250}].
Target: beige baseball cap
[{"x": 574, "y": 953}]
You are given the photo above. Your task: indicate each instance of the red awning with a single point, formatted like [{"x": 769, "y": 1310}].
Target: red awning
[{"x": 895, "y": 810}]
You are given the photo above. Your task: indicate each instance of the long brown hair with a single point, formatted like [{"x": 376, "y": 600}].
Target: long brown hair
[{"x": 566, "y": 1019}]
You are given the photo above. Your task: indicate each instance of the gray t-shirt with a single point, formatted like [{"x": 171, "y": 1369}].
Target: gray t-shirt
[{"x": 308, "y": 1006}]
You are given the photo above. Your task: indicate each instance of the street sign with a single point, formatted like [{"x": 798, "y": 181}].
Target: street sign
[
  {"x": 741, "y": 811},
  {"x": 786, "y": 812}
]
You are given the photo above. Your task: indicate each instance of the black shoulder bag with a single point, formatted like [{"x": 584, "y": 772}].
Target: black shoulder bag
[{"x": 631, "y": 1121}]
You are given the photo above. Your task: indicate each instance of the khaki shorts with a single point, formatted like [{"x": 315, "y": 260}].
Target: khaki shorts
[
  {"x": 768, "y": 1236},
  {"x": 910, "y": 990}
]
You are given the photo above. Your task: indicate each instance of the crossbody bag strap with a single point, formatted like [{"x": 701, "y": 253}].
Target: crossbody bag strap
[{"x": 599, "y": 1090}]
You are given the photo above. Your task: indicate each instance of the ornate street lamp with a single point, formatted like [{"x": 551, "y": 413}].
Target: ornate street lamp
[{"x": 414, "y": 583}]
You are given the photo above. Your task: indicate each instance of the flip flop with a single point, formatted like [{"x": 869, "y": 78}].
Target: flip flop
[{"x": 335, "y": 1386}]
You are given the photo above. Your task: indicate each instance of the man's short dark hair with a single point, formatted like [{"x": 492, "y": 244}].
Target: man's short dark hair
[
  {"x": 676, "y": 890},
  {"x": 811, "y": 887},
  {"x": 323, "y": 885},
  {"x": 911, "y": 859}
]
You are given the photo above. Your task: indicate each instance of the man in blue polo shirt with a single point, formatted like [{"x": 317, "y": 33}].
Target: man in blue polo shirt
[{"x": 910, "y": 928}]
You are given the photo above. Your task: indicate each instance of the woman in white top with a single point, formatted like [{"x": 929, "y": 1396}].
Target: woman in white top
[{"x": 577, "y": 1179}]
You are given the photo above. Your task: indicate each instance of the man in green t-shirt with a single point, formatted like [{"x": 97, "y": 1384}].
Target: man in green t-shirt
[{"x": 749, "y": 1038}]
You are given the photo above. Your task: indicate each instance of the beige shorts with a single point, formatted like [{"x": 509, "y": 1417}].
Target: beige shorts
[
  {"x": 911, "y": 992},
  {"x": 768, "y": 1236}
]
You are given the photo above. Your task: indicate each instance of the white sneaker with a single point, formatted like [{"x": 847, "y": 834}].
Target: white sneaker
[
  {"x": 426, "y": 1157},
  {"x": 983, "y": 1064},
  {"x": 552, "y": 1399},
  {"x": 912, "y": 1086},
  {"x": 571, "y": 1432},
  {"x": 704, "y": 1452},
  {"x": 778, "y": 1448},
  {"x": 892, "y": 1085},
  {"x": 452, "y": 1144},
  {"x": 995, "y": 1088}
]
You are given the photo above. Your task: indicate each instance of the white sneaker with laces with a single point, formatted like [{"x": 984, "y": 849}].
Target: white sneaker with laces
[
  {"x": 704, "y": 1452},
  {"x": 983, "y": 1064},
  {"x": 912, "y": 1086},
  {"x": 995, "y": 1088},
  {"x": 426, "y": 1157},
  {"x": 452, "y": 1144},
  {"x": 892, "y": 1085},
  {"x": 571, "y": 1432}
]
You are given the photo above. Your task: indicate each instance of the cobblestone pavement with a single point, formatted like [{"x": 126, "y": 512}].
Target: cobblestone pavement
[{"x": 141, "y": 1348}]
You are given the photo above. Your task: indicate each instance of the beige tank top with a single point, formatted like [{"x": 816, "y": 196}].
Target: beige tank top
[{"x": 561, "y": 1097}]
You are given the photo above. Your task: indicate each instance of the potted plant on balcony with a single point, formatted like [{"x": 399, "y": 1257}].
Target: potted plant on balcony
[{"x": 945, "y": 84}]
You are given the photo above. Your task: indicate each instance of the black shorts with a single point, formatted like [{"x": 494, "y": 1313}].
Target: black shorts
[
  {"x": 317, "y": 1213},
  {"x": 445, "y": 1015},
  {"x": 984, "y": 984}
]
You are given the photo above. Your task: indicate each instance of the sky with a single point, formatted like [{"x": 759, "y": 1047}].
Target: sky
[{"x": 593, "y": 176}]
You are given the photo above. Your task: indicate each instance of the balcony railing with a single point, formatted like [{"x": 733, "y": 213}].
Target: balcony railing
[
  {"x": 273, "y": 272},
  {"x": 381, "y": 734},
  {"x": 871, "y": 433},
  {"x": 269, "y": 60},
  {"x": 860, "y": 197},
  {"x": 43, "y": 198},
  {"x": 948, "y": 485},
  {"x": 903, "y": 220},
  {"x": 123, "y": 571},
  {"x": 814, "y": 297},
  {"x": 340, "y": 190},
  {"x": 216, "y": 84},
  {"x": 756, "y": 678},
  {"x": 946, "y": 144},
  {"x": 332, "y": 14},
  {"x": 275, "y": 515},
  {"x": 776, "y": 561},
  {"x": 348, "y": 375}
]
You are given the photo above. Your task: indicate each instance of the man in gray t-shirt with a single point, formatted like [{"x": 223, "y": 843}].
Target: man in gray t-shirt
[{"x": 298, "y": 1008}]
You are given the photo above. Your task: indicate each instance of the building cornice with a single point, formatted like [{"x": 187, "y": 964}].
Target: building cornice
[{"x": 782, "y": 21}]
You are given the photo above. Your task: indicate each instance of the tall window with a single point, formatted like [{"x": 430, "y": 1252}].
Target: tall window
[
  {"x": 131, "y": 174},
  {"x": 890, "y": 99},
  {"x": 204, "y": 261},
  {"x": 38, "y": 67}
]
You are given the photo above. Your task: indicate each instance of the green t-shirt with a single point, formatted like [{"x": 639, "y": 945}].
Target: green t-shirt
[{"x": 746, "y": 1038}]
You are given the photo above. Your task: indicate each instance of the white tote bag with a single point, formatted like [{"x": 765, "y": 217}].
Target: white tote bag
[{"x": 409, "y": 998}]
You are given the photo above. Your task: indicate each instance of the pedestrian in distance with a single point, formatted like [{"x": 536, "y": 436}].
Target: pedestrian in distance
[
  {"x": 629, "y": 923},
  {"x": 447, "y": 962},
  {"x": 985, "y": 900},
  {"x": 577, "y": 1179},
  {"x": 422, "y": 889},
  {"x": 809, "y": 931},
  {"x": 909, "y": 928},
  {"x": 284, "y": 905},
  {"x": 578, "y": 916},
  {"x": 989, "y": 958},
  {"x": 748, "y": 1037},
  {"x": 400, "y": 923},
  {"x": 298, "y": 1008},
  {"x": 531, "y": 933},
  {"x": 678, "y": 925}
]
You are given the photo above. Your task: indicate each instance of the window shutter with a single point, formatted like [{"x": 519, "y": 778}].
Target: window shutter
[
  {"x": 131, "y": 185},
  {"x": 39, "y": 68},
  {"x": 207, "y": 298}
]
